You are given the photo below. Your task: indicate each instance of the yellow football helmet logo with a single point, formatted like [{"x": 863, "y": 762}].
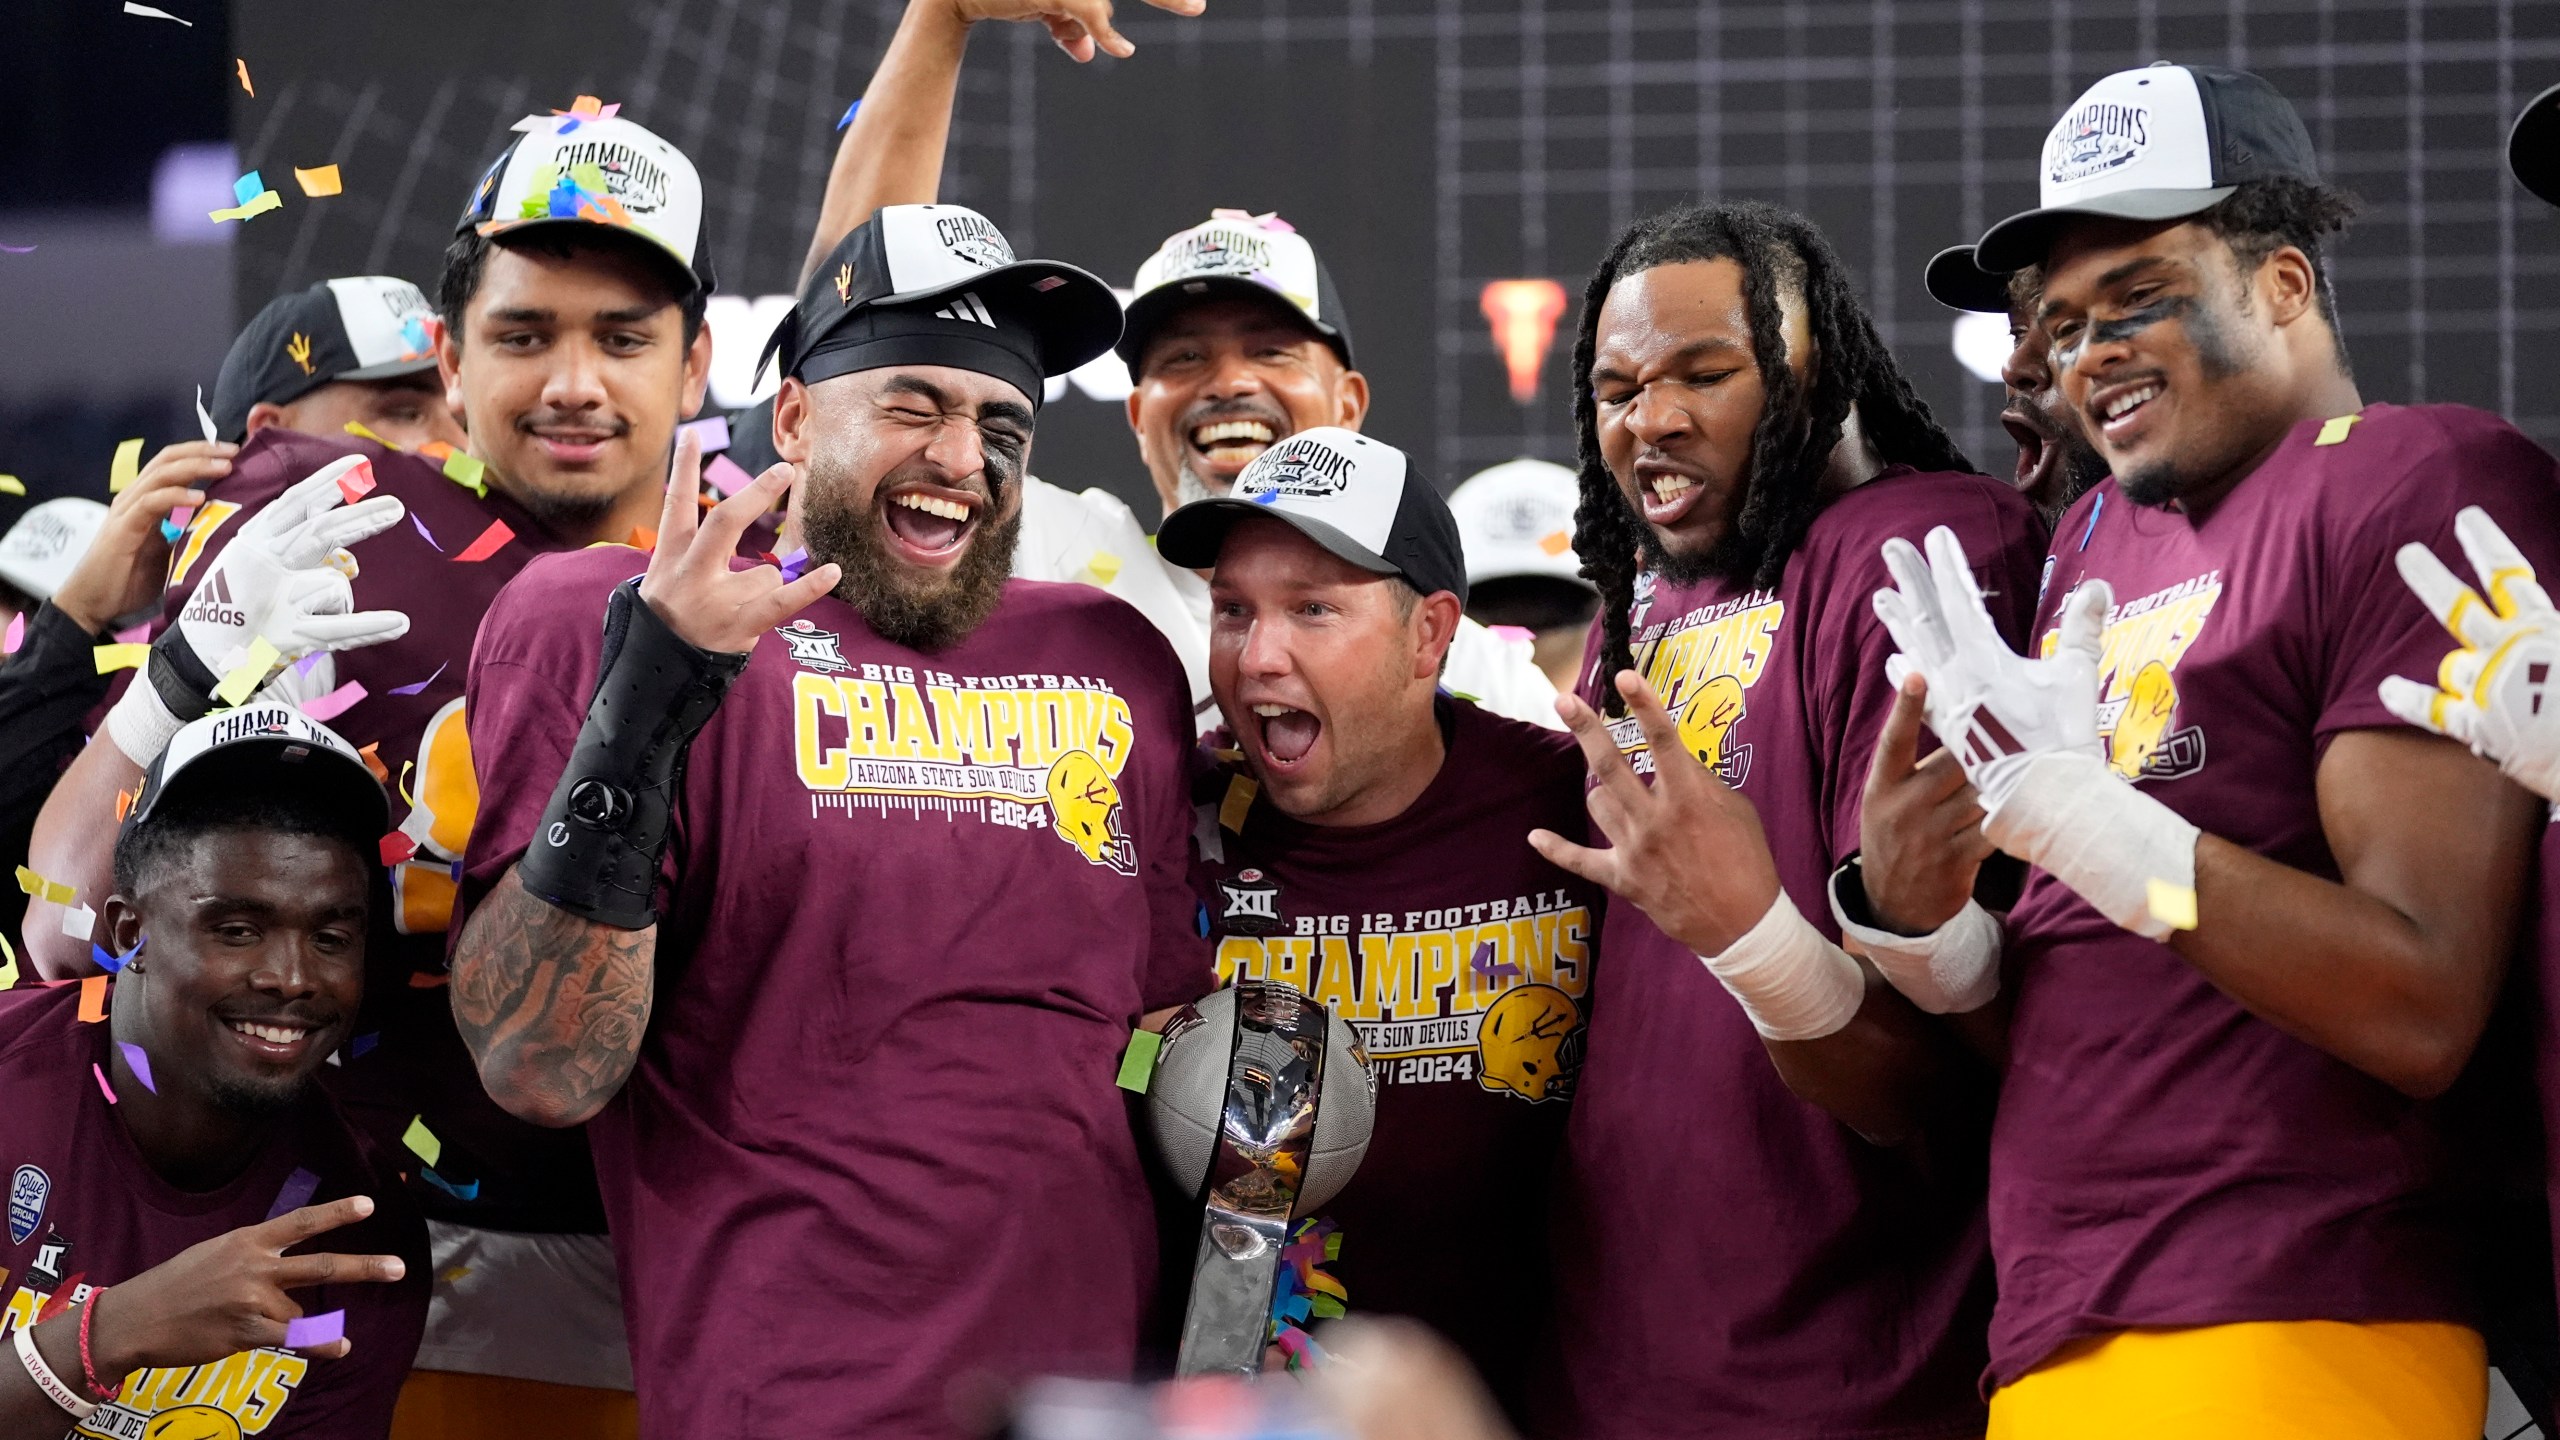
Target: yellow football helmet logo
[
  {"x": 1709, "y": 715},
  {"x": 1521, "y": 1043},
  {"x": 2148, "y": 710},
  {"x": 1084, "y": 806},
  {"x": 192, "y": 1422}
]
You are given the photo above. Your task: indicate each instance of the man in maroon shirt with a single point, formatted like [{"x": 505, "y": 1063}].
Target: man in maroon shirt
[
  {"x": 2056, "y": 462},
  {"x": 1373, "y": 850},
  {"x": 165, "y": 1161},
  {"x": 851, "y": 1078},
  {"x": 1731, "y": 1260},
  {"x": 573, "y": 345},
  {"x": 2267, "y": 924}
]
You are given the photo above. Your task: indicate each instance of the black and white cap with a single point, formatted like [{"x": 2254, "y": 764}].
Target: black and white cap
[
  {"x": 2160, "y": 143},
  {"x": 356, "y": 327},
  {"x": 259, "y": 747},
  {"x": 2533, "y": 146},
  {"x": 1953, "y": 280},
  {"x": 573, "y": 169},
  {"x": 1359, "y": 498},
  {"x": 939, "y": 285},
  {"x": 41, "y": 550},
  {"x": 1234, "y": 252}
]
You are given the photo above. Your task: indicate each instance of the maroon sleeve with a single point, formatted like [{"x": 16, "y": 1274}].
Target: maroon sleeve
[
  {"x": 2378, "y": 627},
  {"x": 1180, "y": 963}
]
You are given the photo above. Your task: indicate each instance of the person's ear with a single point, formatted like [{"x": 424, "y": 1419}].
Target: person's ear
[
  {"x": 2287, "y": 284},
  {"x": 124, "y": 929},
  {"x": 1436, "y": 626},
  {"x": 1351, "y": 400},
  {"x": 263, "y": 414},
  {"x": 697, "y": 372},
  {"x": 448, "y": 340},
  {"x": 791, "y": 421}
]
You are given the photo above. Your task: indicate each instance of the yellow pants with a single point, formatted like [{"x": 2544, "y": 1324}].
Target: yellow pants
[
  {"x": 2289, "y": 1380},
  {"x": 445, "y": 1405}
]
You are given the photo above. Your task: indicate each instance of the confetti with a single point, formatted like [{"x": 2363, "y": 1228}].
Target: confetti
[
  {"x": 713, "y": 432},
  {"x": 2174, "y": 905},
  {"x": 52, "y": 892},
  {"x": 794, "y": 563},
  {"x": 371, "y": 755},
  {"x": 310, "y": 662},
  {"x": 139, "y": 1063},
  {"x": 12, "y": 485},
  {"x": 243, "y": 67},
  {"x": 103, "y": 1087},
  {"x": 79, "y": 921},
  {"x": 8, "y": 965},
  {"x": 266, "y": 201},
  {"x": 469, "y": 1191},
  {"x": 1105, "y": 567},
  {"x": 1239, "y": 803},
  {"x": 487, "y": 545},
  {"x": 170, "y": 530},
  {"x": 411, "y": 689},
  {"x": 248, "y": 187},
  {"x": 2333, "y": 431},
  {"x": 249, "y": 674},
  {"x": 848, "y": 114},
  {"x": 336, "y": 703},
  {"x": 112, "y": 658},
  {"x": 317, "y": 181},
  {"x": 93, "y": 999},
  {"x": 19, "y": 249},
  {"x": 127, "y": 464},
  {"x": 149, "y": 12},
  {"x": 105, "y": 959},
  {"x": 17, "y": 635},
  {"x": 467, "y": 471},
  {"x": 1487, "y": 972},
  {"x": 311, "y": 1331},
  {"x": 585, "y": 107},
  {"x": 1138, "y": 1062},
  {"x": 405, "y": 797},
  {"x": 298, "y": 1189},
  {"x": 422, "y": 531},
  {"x": 422, "y": 1142},
  {"x": 452, "y": 1273},
  {"x": 124, "y": 805},
  {"x": 204, "y": 418},
  {"x": 726, "y": 475},
  {"x": 358, "y": 430},
  {"x": 357, "y": 483},
  {"x": 397, "y": 847},
  {"x": 357, "y": 1047},
  {"x": 428, "y": 980},
  {"x": 641, "y": 538}
]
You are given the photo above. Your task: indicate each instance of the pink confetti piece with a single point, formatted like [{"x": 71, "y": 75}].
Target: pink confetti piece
[
  {"x": 713, "y": 431},
  {"x": 422, "y": 531},
  {"x": 139, "y": 1063},
  {"x": 134, "y": 636},
  {"x": 397, "y": 848},
  {"x": 357, "y": 483},
  {"x": 103, "y": 1087},
  {"x": 17, "y": 635},
  {"x": 420, "y": 685},
  {"x": 298, "y": 1189},
  {"x": 311, "y": 1331},
  {"x": 336, "y": 703},
  {"x": 726, "y": 475},
  {"x": 490, "y": 540}
]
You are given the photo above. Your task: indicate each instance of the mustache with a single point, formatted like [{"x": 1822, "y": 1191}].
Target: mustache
[{"x": 613, "y": 425}]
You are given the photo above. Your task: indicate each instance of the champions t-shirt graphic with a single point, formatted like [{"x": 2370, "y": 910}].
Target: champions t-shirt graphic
[
  {"x": 1816, "y": 1244},
  {"x": 85, "y": 1210},
  {"x": 1465, "y": 961},
  {"x": 2161, "y": 1156}
]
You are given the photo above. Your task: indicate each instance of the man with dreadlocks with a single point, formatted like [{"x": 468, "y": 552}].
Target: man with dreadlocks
[{"x": 1732, "y": 1260}]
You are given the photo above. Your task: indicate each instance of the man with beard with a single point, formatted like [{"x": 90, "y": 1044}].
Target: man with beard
[
  {"x": 167, "y": 1160},
  {"x": 848, "y": 1034},
  {"x": 1235, "y": 338},
  {"x": 572, "y": 295},
  {"x": 2056, "y": 462},
  {"x": 2267, "y": 923},
  {"x": 1730, "y": 1260}
]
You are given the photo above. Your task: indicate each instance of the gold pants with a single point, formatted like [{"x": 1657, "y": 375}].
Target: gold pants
[
  {"x": 2265, "y": 1380},
  {"x": 446, "y": 1405}
]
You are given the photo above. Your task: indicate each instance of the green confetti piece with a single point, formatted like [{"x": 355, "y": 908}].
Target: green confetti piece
[
  {"x": 422, "y": 1142},
  {"x": 1138, "y": 1062}
]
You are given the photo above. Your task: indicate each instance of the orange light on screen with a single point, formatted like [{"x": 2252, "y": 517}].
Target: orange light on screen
[{"x": 1523, "y": 314}]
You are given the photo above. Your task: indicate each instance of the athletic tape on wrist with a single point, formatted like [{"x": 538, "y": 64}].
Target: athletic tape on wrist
[
  {"x": 141, "y": 724},
  {"x": 2084, "y": 825},
  {"x": 1949, "y": 971},
  {"x": 1792, "y": 982},
  {"x": 46, "y": 1381}
]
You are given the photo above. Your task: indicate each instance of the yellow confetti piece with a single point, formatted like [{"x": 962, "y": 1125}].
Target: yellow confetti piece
[
  {"x": 2174, "y": 905},
  {"x": 1104, "y": 565},
  {"x": 52, "y": 892},
  {"x": 317, "y": 181},
  {"x": 112, "y": 658},
  {"x": 422, "y": 1142},
  {"x": 9, "y": 969},
  {"x": 405, "y": 797},
  {"x": 2334, "y": 429},
  {"x": 452, "y": 1273},
  {"x": 249, "y": 674},
  {"x": 1239, "y": 802},
  {"x": 356, "y": 428},
  {"x": 466, "y": 471},
  {"x": 11, "y": 485},
  {"x": 267, "y": 200},
  {"x": 127, "y": 465}
]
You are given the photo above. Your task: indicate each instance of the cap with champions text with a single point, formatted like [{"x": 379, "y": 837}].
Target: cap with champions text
[
  {"x": 1234, "y": 253},
  {"x": 38, "y": 553},
  {"x": 939, "y": 285},
  {"x": 1516, "y": 520},
  {"x": 264, "y": 747},
  {"x": 1361, "y": 499},
  {"x": 584, "y": 170},
  {"x": 2159, "y": 143},
  {"x": 356, "y": 327},
  {"x": 2533, "y": 146}
]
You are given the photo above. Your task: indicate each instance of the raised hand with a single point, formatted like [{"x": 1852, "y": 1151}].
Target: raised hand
[
  {"x": 285, "y": 577},
  {"x": 228, "y": 1294},
  {"x": 121, "y": 570},
  {"x": 1920, "y": 839},
  {"x": 1076, "y": 25},
  {"x": 2500, "y": 692},
  {"x": 689, "y": 584}
]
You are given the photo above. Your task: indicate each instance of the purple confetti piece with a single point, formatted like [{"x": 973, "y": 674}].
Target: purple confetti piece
[
  {"x": 312, "y": 1331},
  {"x": 19, "y": 249},
  {"x": 357, "y": 1047},
  {"x": 714, "y": 431},
  {"x": 303, "y": 665},
  {"x": 421, "y": 685},
  {"x": 298, "y": 1189},
  {"x": 794, "y": 563},
  {"x": 726, "y": 476},
  {"x": 139, "y": 1063},
  {"x": 422, "y": 531}
]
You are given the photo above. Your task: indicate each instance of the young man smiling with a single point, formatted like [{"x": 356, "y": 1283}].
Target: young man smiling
[
  {"x": 573, "y": 345},
  {"x": 2267, "y": 923},
  {"x": 1373, "y": 850},
  {"x": 165, "y": 1162},
  {"x": 847, "y": 1035}
]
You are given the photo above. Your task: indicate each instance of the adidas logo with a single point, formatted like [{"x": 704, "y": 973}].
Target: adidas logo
[
  {"x": 969, "y": 308},
  {"x": 212, "y": 604}
]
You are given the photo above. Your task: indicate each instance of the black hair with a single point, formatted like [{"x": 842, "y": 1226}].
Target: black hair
[
  {"x": 188, "y": 814},
  {"x": 1779, "y": 252},
  {"x": 2263, "y": 216},
  {"x": 468, "y": 256}
]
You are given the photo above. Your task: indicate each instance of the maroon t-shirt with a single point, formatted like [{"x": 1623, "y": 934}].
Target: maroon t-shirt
[
  {"x": 85, "y": 1209},
  {"x": 872, "y": 1148},
  {"x": 1464, "y": 959},
  {"x": 2162, "y": 1157},
  {"x": 1732, "y": 1260},
  {"x": 414, "y": 1063}
]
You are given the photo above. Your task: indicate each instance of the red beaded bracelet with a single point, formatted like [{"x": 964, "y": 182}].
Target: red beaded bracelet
[{"x": 88, "y": 1366}]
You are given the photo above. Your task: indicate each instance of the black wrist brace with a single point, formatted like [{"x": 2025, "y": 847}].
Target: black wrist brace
[
  {"x": 179, "y": 676},
  {"x": 596, "y": 852}
]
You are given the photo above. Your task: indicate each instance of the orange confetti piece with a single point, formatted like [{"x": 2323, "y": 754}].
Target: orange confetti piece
[
  {"x": 93, "y": 999},
  {"x": 124, "y": 805},
  {"x": 642, "y": 538},
  {"x": 371, "y": 755},
  {"x": 243, "y": 67}
]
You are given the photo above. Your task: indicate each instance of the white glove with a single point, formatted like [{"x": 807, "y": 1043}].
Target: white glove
[
  {"x": 1994, "y": 708},
  {"x": 2496, "y": 694},
  {"x": 283, "y": 577}
]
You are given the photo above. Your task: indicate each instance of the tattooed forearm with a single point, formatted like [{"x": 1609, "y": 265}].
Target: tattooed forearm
[{"x": 552, "y": 1005}]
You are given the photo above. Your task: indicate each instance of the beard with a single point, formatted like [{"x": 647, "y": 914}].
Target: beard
[
  {"x": 928, "y": 615},
  {"x": 253, "y": 1099}
]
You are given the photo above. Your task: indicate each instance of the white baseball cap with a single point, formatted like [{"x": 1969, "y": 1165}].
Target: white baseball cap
[
  {"x": 600, "y": 169},
  {"x": 261, "y": 746},
  {"x": 1516, "y": 518},
  {"x": 38, "y": 553},
  {"x": 1359, "y": 498},
  {"x": 1234, "y": 252}
]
